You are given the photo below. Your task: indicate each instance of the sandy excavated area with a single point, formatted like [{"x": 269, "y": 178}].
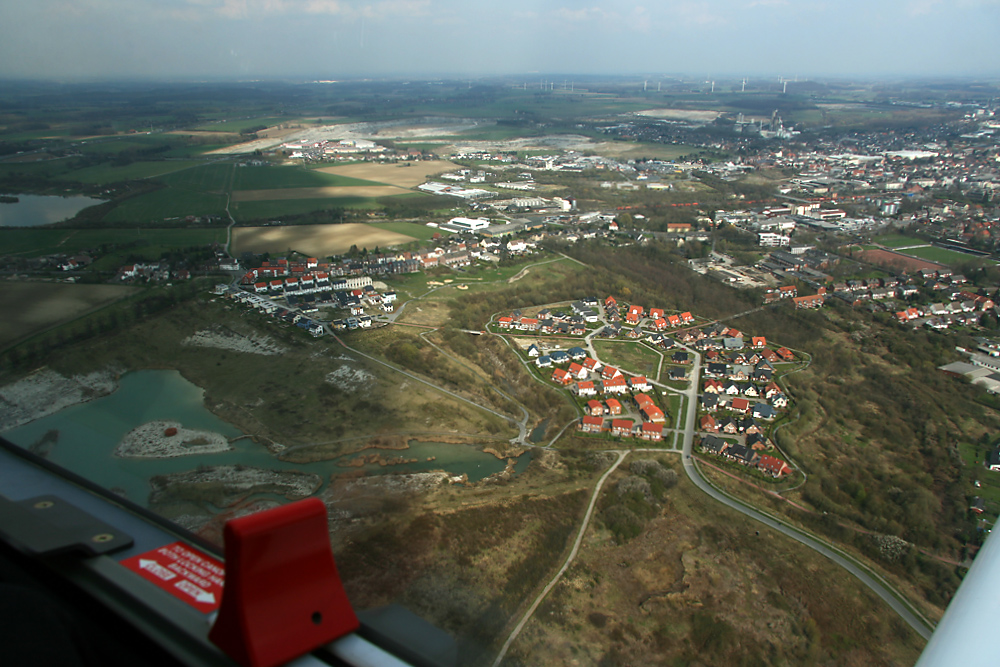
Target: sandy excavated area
[
  {"x": 392, "y": 129},
  {"x": 314, "y": 240},
  {"x": 327, "y": 192},
  {"x": 394, "y": 174},
  {"x": 46, "y": 392},
  {"x": 351, "y": 379},
  {"x": 150, "y": 441},
  {"x": 693, "y": 115},
  {"x": 224, "y": 339}
]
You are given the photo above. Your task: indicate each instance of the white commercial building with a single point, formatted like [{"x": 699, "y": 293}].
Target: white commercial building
[
  {"x": 772, "y": 240},
  {"x": 469, "y": 224}
]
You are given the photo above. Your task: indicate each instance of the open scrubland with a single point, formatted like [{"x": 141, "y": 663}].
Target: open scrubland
[
  {"x": 671, "y": 576},
  {"x": 701, "y": 584}
]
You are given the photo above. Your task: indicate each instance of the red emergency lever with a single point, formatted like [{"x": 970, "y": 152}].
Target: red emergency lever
[{"x": 283, "y": 597}]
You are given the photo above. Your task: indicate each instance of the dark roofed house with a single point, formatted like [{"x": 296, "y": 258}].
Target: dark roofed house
[
  {"x": 993, "y": 459},
  {"x": 714, "y": 445}
]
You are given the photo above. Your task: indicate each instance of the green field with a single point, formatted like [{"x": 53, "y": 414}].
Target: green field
[
  {"x": 107, "y": 173},
  {"x": 32, "y": 307},
  {"x": 941, "y": 255},
  {"x": 270, "y": 178},
  {"x": 116, "y": 145},
  {"x": 38, "y": 242},
  {"x": 40, "y": 168},
  {"x": 261, "y": 210},
  {"x": 898, "y": 241},
  {"x": 216, "y": 177},
  {"x": 417, "y": 231},
  {"x": 242, "y": 124},
  {"x": 633, "y": 358},
  {"x": 167, "y": 204},
  {"x": 195, "y": 191}
]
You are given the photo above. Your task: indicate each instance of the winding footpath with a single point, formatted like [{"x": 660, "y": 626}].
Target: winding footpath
[{"x": 565, "y": 566}]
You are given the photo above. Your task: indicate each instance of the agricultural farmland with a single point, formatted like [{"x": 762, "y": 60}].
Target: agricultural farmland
[
  {"x": 33, "y": 307},
  {"x": 314, "y": 240},
  {"x": 405, "y": 175}
]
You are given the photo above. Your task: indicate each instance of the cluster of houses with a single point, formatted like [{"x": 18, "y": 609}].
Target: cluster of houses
[
  {"x": 744, "y": 455},
  {"x": 130, "y": 273},
  {"x": 650, "y": 428},
  {"x": 264, "y": 305},
  {"x": 634, "y": 314},
  {"x": 608, "y": 382},
  {"x": 738, "y": 393},
  {"x": 282, "y": 274},
  {"x": 585, "y": 311},
  {"x": 959, "y": 305}
]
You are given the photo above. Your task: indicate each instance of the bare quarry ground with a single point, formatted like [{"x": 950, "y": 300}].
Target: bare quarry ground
[
  {"x": 226, "y": 339},
  {"x": 46, "y": 392},
  {"x": 681, "y": 114},
  {"x": 151, "y": 440},
  {"x": 350, "y": 379},
  {"x": 401, "y": 129}
]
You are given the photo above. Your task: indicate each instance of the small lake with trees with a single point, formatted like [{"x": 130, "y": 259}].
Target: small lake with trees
[{"x": 36, "y": 210}]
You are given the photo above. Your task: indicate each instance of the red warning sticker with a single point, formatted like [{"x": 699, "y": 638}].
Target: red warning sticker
[{"x": 184, "y": 572}]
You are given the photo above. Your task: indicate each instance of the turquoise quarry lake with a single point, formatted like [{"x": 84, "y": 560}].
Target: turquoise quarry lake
[
  {"x": 35, "y": 210},
  {"x": 89, "y": 432}
]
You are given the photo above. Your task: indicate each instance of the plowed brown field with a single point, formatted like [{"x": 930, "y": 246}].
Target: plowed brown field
[{"x": 314, "y": 240}]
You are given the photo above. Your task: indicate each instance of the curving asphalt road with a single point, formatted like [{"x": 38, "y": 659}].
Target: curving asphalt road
[{"x": 921, "y": 625}]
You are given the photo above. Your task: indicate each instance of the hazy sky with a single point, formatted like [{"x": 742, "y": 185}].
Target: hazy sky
[{"x": 65, "y": 39}]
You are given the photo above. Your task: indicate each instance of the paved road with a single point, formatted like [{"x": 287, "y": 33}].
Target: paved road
[{"x": 919, "y": 624}]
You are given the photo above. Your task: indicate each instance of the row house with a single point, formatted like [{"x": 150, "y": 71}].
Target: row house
[
  {"x": 639, "y": 383},
  {"x": 814, "y": 301},
  {"x": 615, "y": 385},
  {"x": 592, "y": 424},
  {"x": 621, "y": 427},
  {"x": 651, "y": 432},
  {"x": 562, "y": 377}
]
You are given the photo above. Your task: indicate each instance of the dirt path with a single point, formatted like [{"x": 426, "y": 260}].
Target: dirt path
[
  {"x": 522, "y": 273},
  {"x": 565, "y": 566}
]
